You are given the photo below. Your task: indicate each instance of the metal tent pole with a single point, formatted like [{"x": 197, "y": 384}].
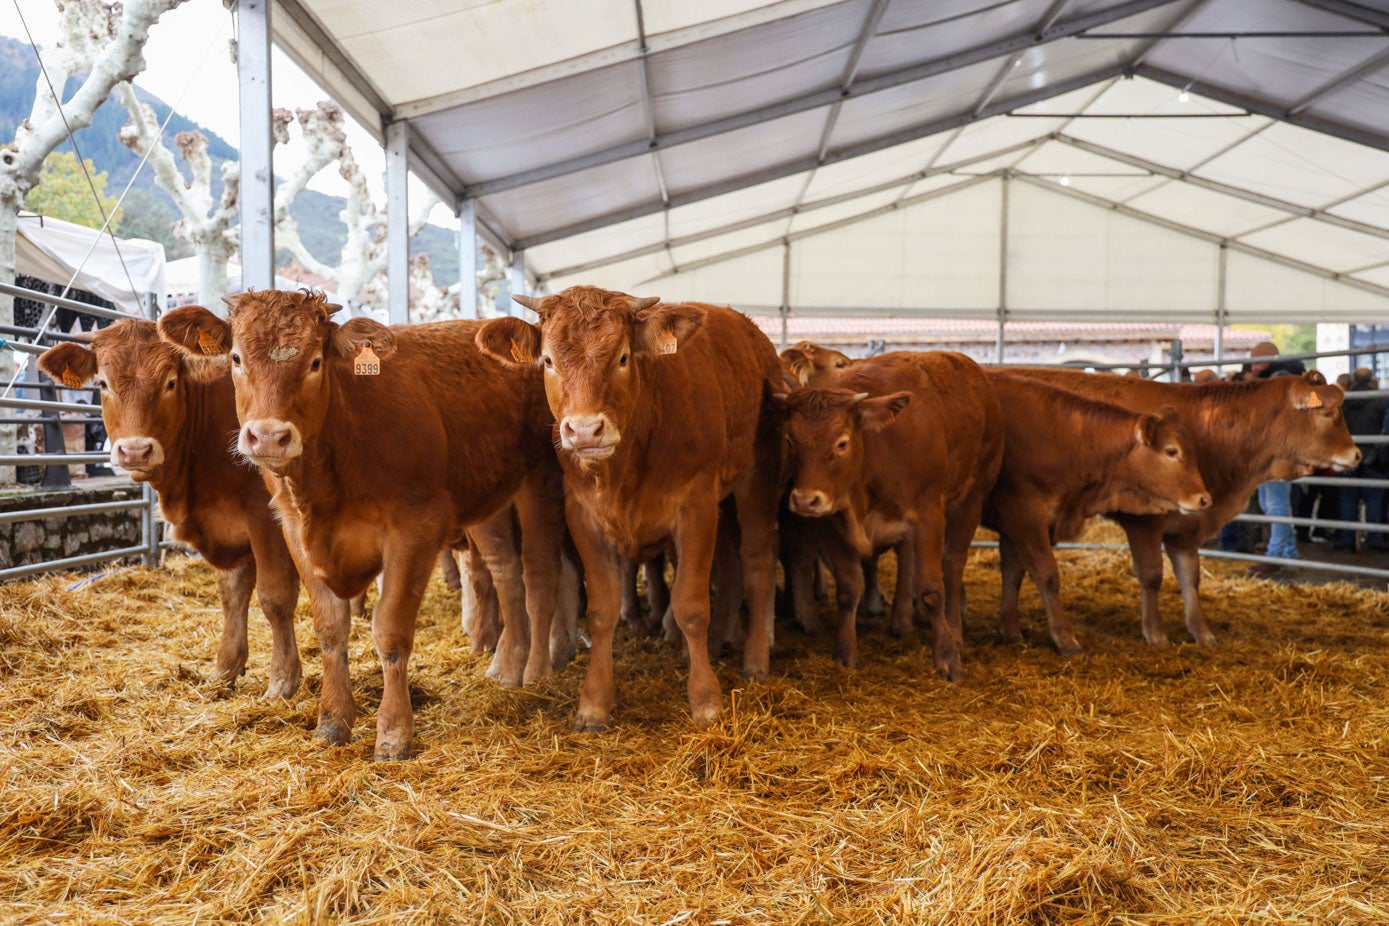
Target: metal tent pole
[
  {"x": 469, "y": 299},
  {"x": 1002, "y": 266},
  {"x": 257, "y": 145},
  {"x": 397, "y": 223}
]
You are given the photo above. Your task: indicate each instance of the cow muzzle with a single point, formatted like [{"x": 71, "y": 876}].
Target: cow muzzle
[
  {"x": 136, "y": 454},
  {"x": 589, "y": 437},
  {"x": 810, "y": 503},
  {"x": 1345, "y": 462},
  {"x": 1194, "y": 504},
  {"x": 270, "y": 442}
]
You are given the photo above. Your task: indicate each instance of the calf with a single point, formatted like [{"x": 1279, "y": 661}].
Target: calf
[
  {"x": 660, "y": 417},
  {"x": 171, "y": 418},
  {"x": 1242, "y": 434},
  {"x": 385, "y": 444},
  {"x": 905, "y": 447},
  {"x": 1066, "y": 458},
  {"x": 810, "y": 365}
]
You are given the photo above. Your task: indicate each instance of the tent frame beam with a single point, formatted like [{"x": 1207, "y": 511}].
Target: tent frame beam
[
  {"x": 788, "y": 168},
  {"x": 816, "y": 100}
]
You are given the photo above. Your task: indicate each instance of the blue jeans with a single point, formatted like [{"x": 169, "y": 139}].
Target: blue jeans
[
  {"x": 1275, "y": 500},
  {"x": 1374, "y": 507}
]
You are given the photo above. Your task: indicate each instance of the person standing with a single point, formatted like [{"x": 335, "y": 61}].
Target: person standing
[
  {"x": 1365, "y": 417},
  {"x": 1275, "y": 498}
]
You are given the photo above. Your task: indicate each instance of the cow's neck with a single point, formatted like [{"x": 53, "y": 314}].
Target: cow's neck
[{"x": 1240, "y": 456}]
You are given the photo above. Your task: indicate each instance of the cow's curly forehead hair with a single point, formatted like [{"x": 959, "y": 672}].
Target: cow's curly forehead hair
[
  {"x": 820, "y": 404},
  {"x": 586, "y": 320},
  {"x": 269, "y": 318},
  {"x": 132, "y": 349}
]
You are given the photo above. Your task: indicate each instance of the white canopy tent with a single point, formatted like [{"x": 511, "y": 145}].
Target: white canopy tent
[
  {"x": 1198, "y": 160},
  {"x": 125, "y": 272}
]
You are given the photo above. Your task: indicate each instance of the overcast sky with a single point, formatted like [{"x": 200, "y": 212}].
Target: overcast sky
[{"x": 189, "y": 65}]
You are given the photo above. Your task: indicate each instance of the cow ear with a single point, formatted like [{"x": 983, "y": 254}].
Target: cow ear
[
  {"x": 877, "y": 413},
  {"x": 667, "y": 327},
  {"x": 511, "y": 340},
  {"x": 1317, "y": 397},
  {"x": 797, "y": 361},
  {"x": 195, "y": 330},
  {"x": 348, "y": 339},
  {"x": 69, "y": 364},
  {"x": 1314, "y": 378},
  {"x": 1147, "y": 431}
]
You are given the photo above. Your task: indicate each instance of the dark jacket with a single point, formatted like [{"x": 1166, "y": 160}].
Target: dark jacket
[{"x": 1283, "y": 368}]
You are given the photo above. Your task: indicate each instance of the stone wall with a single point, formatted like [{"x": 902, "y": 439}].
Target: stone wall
[{"x": 26, "y": 542}]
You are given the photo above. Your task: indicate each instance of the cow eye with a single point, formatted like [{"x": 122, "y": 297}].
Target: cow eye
[
  {"x": 317, "y": 362},
  {"x": 169, "y": 386},
  {"x": 548, "y": 361},
  {"x": 1173, "y": 452},
  {"x": 843, "y": 444},
  {"x": 622, "y": 361},
  {"x": 101, "y": 384},
  {"x": 236, "y": 360}
]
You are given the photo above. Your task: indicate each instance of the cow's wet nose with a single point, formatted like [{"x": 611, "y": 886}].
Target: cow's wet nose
[
  {"x": 264, "y": 437},
  {"x": 134, "y": 451},
  {"x": 581, "y": 431},
  {"x": 810, "y": 502},
  {"x": 1203, "y": 502}
]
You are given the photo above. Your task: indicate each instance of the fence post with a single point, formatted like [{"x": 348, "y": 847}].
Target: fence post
[
  {"x": 1176, "y": 361},
  {"x": 149, "y": 525}
]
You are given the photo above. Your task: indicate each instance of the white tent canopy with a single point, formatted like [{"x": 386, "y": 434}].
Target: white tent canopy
[
  {"x": 123, "y": 272},
  {"x": 1198, "y": 159}
]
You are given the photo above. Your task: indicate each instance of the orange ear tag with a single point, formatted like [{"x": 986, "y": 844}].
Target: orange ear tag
[
  {"x": 516, "y": 353},
  {"x": 208, "y": 344},
  {"x": 668, "y": 345},
  {"x": 1314, "y": 401},
  {"x": 71, "y": 379},
  {"x": 366, "y": 363}
]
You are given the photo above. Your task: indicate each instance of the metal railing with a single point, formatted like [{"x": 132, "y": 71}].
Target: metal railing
[
  {"x": 1175, "y": 368},
  {"x": 52, "y": 415}
]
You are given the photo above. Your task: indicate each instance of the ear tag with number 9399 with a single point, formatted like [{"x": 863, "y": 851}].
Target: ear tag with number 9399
[{"x": 366, "y": 362}]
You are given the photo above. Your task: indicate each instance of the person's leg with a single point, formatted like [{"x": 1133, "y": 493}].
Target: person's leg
[
  {"x": 1375, "y": 512},
  {"x": 1348, "y": 510},
  {"x": 1275, "y": 499}
]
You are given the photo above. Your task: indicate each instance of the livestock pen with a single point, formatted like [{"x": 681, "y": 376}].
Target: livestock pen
[{"x": 1242, "y": 781}]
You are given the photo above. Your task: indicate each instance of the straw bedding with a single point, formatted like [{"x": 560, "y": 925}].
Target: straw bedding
[{"x": 1232, "y": 784}]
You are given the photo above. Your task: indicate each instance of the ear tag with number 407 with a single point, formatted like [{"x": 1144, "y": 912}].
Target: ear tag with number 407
[
  {"x": 668, "y": 345},
  {"x": 366, "y": 363}
]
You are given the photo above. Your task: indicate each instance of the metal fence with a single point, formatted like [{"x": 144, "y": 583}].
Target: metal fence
[{"x": 52, "y": 414}]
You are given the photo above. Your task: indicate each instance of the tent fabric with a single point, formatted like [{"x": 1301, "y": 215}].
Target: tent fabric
[
  {"x": 852, "y": 155},
  {"x": 122, "y": 271}
]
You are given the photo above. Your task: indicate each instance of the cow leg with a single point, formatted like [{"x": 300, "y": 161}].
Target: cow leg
[
  {"x": 603, "y": 576},
  {"x": 631, "y": 601},
  {"x": 564, "y": 632},
  {"x": 871, "y": 606},
  {"x": 540, "y": 510},
  {"x": 847, "y": 568},
  {"x": 448, "y": 565},
  {"x": 960, "y": 525},
  {"x": 727, "y": 601},
  {"x": 696, "y": 530},
  {"x": 277, "y": 587},
  {"x": 234, "y": 587},
  {"x": 393, "y": 631},
  {"x": 657, "y": 591},
  {"x": 496, "y": 541},
  {"x": 930, "y": 582},
  {"x": 1040, "y": 560},
  {"x": 1145, "y": 545},
  {"x": 357, "y": 605},
  {"x": 801, "y": 563},
  {"x": 819, "y": 588},
  {"x": 757, "y": 524},
  {"x": 904, "y": 596},
  {"x": 1012, "y": 569},
  {"x": 1186, "y": 564},
  {"x": 483, "y": 622}
]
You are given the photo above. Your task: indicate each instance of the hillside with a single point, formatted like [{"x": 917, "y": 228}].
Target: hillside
[{"x": 149, "y": 209}]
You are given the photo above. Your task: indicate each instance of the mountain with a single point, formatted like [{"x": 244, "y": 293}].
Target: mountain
[{"x": 320, "y": 227}]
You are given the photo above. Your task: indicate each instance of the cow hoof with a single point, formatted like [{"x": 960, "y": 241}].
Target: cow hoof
[
  {"x": 533, "y": 676},
  {"x": 333, "y": 732},
  {"x": 1157, "y": 641},
  {"x": 1069, "y": 650},
  {"x": 398, "y": 753},
  {"x": 590, "y": 724},
  {"x": 707, "y": 715},
  {"x": 282, "y": 688},
  {"x": 954, "y": 674},
  {"x": 846, "y": 659},
  {"x": 1204, "y": 637}
]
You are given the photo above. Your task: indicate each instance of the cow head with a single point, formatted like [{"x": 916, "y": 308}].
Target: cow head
[
  {"x": 824, "y": 435},
  {"x": 286, "y": 352},
  {"x": 144, "y": 388},
  {"x": 1162, "y": 468},
  {"x": 812, "y": 366},
  {"x": 596, "y": 347},
  {"x": 1309, "y": 432}
]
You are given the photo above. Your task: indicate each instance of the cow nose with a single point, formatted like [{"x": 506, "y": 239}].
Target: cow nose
[
  {"x": 1203, "y": 502},
  {"x": 583, "y": 430},
  {"x": 134, "y": 451},
  {"x": 804, "y": 501},
  {"x": 267, "y": 437}
]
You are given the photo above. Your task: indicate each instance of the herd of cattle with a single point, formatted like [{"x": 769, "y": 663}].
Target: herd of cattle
[{"x": 620, "y": 431}]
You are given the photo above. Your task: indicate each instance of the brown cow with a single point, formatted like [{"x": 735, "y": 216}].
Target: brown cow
[
  {"x": 1066, "y": 458},
  {"x": 1243, "y": 434},
  {"x": 811, "y": 366},
  {"x": 171, "y": 419},
  {"x": 906, "y": 445},
  {"x": 386, "y": 443},
  {"x": 660, "y": 417}
]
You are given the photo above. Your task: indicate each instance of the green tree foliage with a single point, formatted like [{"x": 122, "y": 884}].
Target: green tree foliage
[
  {"x": 147, "y": 215},
  {"x": 64, "y": 192}
]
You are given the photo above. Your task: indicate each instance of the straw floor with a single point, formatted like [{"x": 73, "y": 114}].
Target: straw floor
[{"x": 1244, "y": 783}]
